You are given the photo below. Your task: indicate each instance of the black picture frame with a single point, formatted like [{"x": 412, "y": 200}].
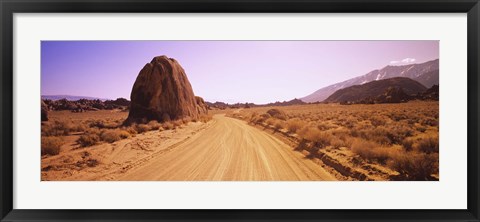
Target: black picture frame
[{"x": 9, "y": 7}]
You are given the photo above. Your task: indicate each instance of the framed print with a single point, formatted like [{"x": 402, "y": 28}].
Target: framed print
[{"x": 231, "y": 110}]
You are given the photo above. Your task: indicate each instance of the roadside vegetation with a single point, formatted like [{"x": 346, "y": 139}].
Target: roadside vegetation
[
  {"x": 93, "y": 128},
  {"x": 401, "y": 137}
]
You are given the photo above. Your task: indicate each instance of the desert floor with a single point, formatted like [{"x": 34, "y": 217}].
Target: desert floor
[
  {"x": 306, "y": 142},
  {"x": 223, "y": 149}
]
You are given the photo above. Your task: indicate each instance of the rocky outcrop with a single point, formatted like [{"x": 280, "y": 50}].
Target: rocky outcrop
[
  {"x": 83, "y": 105},
  {"x": 162, "y": 92},
  {"x": 202, "y": 107},
  {"x": 44, "y": 112}
]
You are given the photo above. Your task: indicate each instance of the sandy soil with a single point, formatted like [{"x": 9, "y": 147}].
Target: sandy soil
[{"x": 221, "y": 150}]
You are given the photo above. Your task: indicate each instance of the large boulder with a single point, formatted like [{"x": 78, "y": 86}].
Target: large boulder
[{"x": 162, "y": 92}]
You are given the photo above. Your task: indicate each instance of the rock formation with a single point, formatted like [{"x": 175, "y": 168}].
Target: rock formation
[
  {"x": 44, "y": 112},
  {"x": 162, "y": 92}
]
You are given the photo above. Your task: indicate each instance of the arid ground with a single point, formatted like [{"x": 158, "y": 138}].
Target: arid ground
[{"x": 284, "y": 143}]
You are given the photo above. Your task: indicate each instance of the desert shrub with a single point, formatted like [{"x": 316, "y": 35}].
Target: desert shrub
[
  {"x": 131, "y": 130},
  {"x": 324, "y": 125},
  {"x": 371, "y": 151},
  {"x": 168, "y": 126},
  {"x": 279, "y": 124},
  {"x": 316, "y": 136},
  {"x": 270, "y": 121},
  {"x": 378, "y": 120},
  {"x": 89, "y": 139},
  {"x": 293, "y": 125},
  {"x": 421, "y": 128},
  {"x": 113, "y": 135},
  {"x": 204, "y": 118},
  {"x": 97, "y": 123},
  {"x": 76, "y": 126},
  {"x": 415, "y": 166},
  {"x": 102, "y": 124},
  {"x": 398, "y": 132},
  {"x": 51, "y": 145},
  {"x": 341, "y": 133},
  {"x": 407, "y": 144},
  {"x": 177, "y": 123},
  {"x": 252, "y": 117},
  {"x": 154, "y": 125},
  {"x": 262, "y": 118},
  {"x": 398, "y": 116},
  {"x": 386, "y": 136},
  {"x": 57, "y": 128},
  {"x": 141, "y": 128},
  {"x": 276, "y": 113},
  {"x": 428, "y": 144},
  {"x": 429, "y": 121},
  {"x": 378, "y": 135},
  {"x": 186, "y": 120},
  {"x": 336, "y": 142}
]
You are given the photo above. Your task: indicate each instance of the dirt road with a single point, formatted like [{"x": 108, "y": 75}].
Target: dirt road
[{"x": 229, "y": 149}]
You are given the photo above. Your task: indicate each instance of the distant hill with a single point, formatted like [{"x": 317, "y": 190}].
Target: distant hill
[
  {"x": 353, "y": 94},
  {"x": 70, "y": 98},
  {"x": 286, "y": 103},
  {"x": 222, "y": 105},
  {"x": 426, "y": 73}
]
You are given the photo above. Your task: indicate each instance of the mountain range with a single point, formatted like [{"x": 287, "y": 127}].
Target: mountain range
[
  {"x": 70, "y": 98},
  {"x": 425, "y": 73}
]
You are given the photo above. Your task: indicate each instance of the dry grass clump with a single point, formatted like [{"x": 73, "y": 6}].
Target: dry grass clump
[
  {"x": 259, "y": 119},
  {"x": 407, "y": 144},
  {"x": 177, "y": 123},
  {"x": 51, "y": 145},
  {"x": 414, "y": 165},
  {"x": 141, "y": 128},
  {"x": 318, "y": 137},
  {"x": 112, "y": 135},
  {"x": 204, "y": 118},
  {"x": 270, "y": 121},
  {"x": 378, "y": 120},
  {"x": 429, "y": 121},
  {"x": 371, "y": 151},
  {"x": 279, "y": 125},
  {"x": 428, "y": 144},
  {"x": 130, "y": 130},
  {"x": 293, "y": 125},
  {"x": 57, "y": 128},
  {"x": 337, "y": 142},
  {"x": 252, "y": 117},
  {"x": 154, "y": 125},
  {"x": 168, "y": 126},
  {"x": 89, "y": 139}
]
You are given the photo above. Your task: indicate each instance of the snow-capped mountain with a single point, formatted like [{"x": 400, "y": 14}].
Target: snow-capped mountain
[{"x": 425, "y": 73}]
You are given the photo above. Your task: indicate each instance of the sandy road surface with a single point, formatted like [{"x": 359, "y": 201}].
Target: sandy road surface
[{"x": 229, "y": 149}]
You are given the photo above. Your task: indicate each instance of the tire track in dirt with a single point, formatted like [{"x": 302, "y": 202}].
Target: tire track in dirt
[{"x": 228, "y": 150}]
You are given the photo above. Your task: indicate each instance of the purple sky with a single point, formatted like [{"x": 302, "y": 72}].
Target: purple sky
[{"x": 228, "y": 71}]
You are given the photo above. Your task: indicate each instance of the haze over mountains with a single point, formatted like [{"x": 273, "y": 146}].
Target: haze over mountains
[
  {"x": 425, "y": 73},
  {"x": 70, "y": 97}
]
